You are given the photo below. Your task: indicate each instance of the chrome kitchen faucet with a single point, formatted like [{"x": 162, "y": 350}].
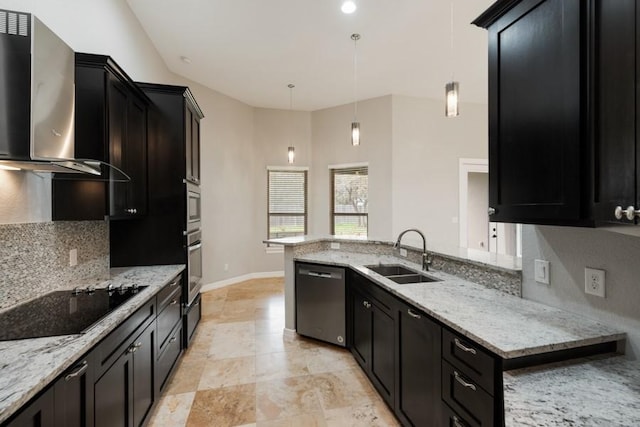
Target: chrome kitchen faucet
[{"x": 425, "y": 261}]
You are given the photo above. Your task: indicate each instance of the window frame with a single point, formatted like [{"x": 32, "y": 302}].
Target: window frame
[
  {"x": 305, "y": 215},
  {"x": 332, "y": 207}
]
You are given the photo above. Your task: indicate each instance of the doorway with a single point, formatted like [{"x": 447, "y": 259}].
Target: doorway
[{"x": 476, "y": 231}]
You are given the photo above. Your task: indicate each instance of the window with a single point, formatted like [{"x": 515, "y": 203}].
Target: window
[
  {"x": 350, "y": 201},
  {"x": 287, "y": 200}
]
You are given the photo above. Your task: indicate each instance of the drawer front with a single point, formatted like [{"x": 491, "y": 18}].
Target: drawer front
[
  {"x": 383, "y": 299},
  {"x": 168, "y": 318},
  {"x": 167, "y": 294},
  {"x": 169, "y": 356},
  {"x": 478, "y": 365},
  {"x": 466, "y": 397},
  {"x": 192, "y": 319},
  {"x": 451, "y": 419}
]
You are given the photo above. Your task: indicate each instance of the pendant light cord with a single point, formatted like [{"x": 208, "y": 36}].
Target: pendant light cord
[
  {"x": 355, "y": 38},
  {"x": 291, "y": 86},
  {"x": 451, "y": 37}
]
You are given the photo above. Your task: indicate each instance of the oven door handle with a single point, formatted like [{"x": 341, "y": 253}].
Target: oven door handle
[{"x": 195, "y": 247}]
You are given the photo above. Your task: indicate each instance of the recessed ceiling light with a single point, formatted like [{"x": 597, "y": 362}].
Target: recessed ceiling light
[
  {"x": 349, "y": 6},
  {"x": 186, "y": 59}
]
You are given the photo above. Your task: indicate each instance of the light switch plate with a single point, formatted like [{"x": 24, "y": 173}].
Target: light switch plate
[
  {"x": 73, "y": 257},
  {"x": 541, "y": 273}
]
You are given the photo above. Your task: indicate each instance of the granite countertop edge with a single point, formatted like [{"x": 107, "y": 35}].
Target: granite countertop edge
[
  {"x": 28, "y": 366},
  {"x": 430, "y": 307}
]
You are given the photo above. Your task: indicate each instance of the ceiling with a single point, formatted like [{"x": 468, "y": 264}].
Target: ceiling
[{"x": 251, "y": 49}]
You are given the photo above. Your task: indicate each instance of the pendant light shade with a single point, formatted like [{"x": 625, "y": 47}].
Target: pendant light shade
[
  {"x": 355, "y": 125},
  {"x": 355, "y": 133},
  {"x": 452, "y": 89},
  {"x": 291, "y": 151},
  {"x": 451, "y": 93}
]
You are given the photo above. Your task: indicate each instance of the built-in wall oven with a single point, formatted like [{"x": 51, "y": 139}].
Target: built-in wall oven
[{"x": 193, "y": 282}]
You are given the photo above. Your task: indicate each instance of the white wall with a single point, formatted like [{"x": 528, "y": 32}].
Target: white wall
[
  {"x": 273, "y": 132},
  {"x": 478, "y": 216},
  {"x": 426, "y": 149},
  {"x": 569, "y": 250},
  {"x": 331, "y": 144}
]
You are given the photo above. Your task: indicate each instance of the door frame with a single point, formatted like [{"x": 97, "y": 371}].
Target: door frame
[{"x": 465, "y": 167}]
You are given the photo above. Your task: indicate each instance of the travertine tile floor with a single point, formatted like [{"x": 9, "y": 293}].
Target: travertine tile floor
[{"x": 241, "y": 371}]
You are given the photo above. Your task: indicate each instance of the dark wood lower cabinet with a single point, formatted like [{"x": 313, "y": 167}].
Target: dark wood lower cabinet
[
  {"x": 418, "y": 399},
  {"x": 39, "y": 413},
  {"x": 124, "y": 395},
  {"x": 373, "y": 342},
  {"x": 73, "y": 397}
]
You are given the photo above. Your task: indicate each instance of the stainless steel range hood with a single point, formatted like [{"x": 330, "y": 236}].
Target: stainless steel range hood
[{"x": 37, "y": 98}]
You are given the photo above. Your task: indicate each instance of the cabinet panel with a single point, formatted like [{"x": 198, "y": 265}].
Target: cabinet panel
[
  {"x": 361, "y": 330},
  {"x": 112, "y": 393},
  {"x": 143, "y": 376},
  {"x": 195, "y": 150},
  {"x": 74, "y": 395},
  {"x": 136, "y": 156},
  {"x": 535, "y": 143},
  {"x": 39, "y": 413},
  {"x": 466, "y": 397},
  {"x": 117, "y": 112},
  {"x": 614, "y": 43},
  {"x": 419, "y": 396},
  {"x": 383, "y": 353}
]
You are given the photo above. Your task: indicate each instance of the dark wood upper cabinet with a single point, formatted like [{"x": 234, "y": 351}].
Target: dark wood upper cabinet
[
  {"x": 562, "y": 110},
  {"x": 111, "y": 126}
]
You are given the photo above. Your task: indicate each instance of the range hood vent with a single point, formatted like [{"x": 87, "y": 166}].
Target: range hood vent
[{"x": 37, "y": 105}]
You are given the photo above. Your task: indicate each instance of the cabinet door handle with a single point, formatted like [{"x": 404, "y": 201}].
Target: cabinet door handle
[
  {"x": 464, "y": 347},
  {"x": 175, "y": 282},
  {"x": 458, "y": 423},
  {"x": 173, "y": 339},
  {"x": 491, "y": 211},
  {"x": 367, "y": 304},
  {"x": 134, "y": 347},
  {"x": 77, "y": 371},
  {"x": 463, "y": 382},
  {"x": 173, "y": 302},
  {"x": 413, "y": 314},
  {"x": 630, "y": 213}
]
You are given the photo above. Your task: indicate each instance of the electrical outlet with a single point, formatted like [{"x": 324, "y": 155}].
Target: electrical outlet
[
  {"x": 541, "y": 273},
  {"x": 335, "y": 245},
  {"x": 403, "y": 252},
  {"x": 73, "y": 257},
  {"x": 594, "y": 282},
  {"x": 226, "y": 267}
]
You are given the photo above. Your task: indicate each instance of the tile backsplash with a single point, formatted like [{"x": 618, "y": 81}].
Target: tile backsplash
[{"x": 34, "y": 257}]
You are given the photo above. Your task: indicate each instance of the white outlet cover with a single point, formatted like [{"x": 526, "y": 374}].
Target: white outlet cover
[
  {"x": 594, "y": 282},
  {"x": 73, "y": 257},
  {"x": 541, "y": 271},
  {"x": 335, "y": 245}
]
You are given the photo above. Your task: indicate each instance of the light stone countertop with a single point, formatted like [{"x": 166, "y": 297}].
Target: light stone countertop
[
  {"x": 593, "y": 392},
  {"x": 28, "y": 366},
  {"x": 508, "y": 326}
]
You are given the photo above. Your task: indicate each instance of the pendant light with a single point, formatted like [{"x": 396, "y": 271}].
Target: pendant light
[
  {"x": 291, "y": 151},
  {"x": 355, "y": 125},
  {"x": 452, "y": 88}
]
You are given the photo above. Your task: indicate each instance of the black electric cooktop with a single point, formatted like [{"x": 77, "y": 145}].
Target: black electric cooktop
[{"x": 62, "y": 312}]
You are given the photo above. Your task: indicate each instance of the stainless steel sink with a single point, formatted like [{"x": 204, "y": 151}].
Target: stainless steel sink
[
  {"x": 390, "y": 269},
  {"x": 401, "y": 274}
]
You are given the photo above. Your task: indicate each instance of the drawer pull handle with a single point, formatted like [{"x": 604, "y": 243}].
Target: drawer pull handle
[
  {"x": 173, "y": 302},
  {"x": 413, "y": 314},
  {"x": 457, "y": 422},
  {"x": 175, "y": 282},
  {"x": 78, "y": 370},
  {"x": 173, "y": 339},
  {"x": 464, "y": 347},
  {"x": 367, "y": 304},
  {"x": 463, "y": 382}
]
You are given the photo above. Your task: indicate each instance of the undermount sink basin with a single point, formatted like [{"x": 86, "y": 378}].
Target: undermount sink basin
[
  {"x": 401, "y": 274},
  {"x": 390, "y": 270}
]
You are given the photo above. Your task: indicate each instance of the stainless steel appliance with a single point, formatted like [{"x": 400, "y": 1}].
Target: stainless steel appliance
[
  {"x": 320, "y": 303},
  {"x": 194, "y": 265},
  {"x": 62, "y": 312},
  {"x": 37, "y": 105},
  {"x": 194, "y": 208}
]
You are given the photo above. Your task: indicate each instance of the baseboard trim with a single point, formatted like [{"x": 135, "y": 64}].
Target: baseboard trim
[
  {"x": 289, "y": 333},
  {"x": 233, "y": 280}
]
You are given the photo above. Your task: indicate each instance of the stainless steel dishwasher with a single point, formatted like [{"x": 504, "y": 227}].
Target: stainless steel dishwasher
[{"x": 320, "y": 303}]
